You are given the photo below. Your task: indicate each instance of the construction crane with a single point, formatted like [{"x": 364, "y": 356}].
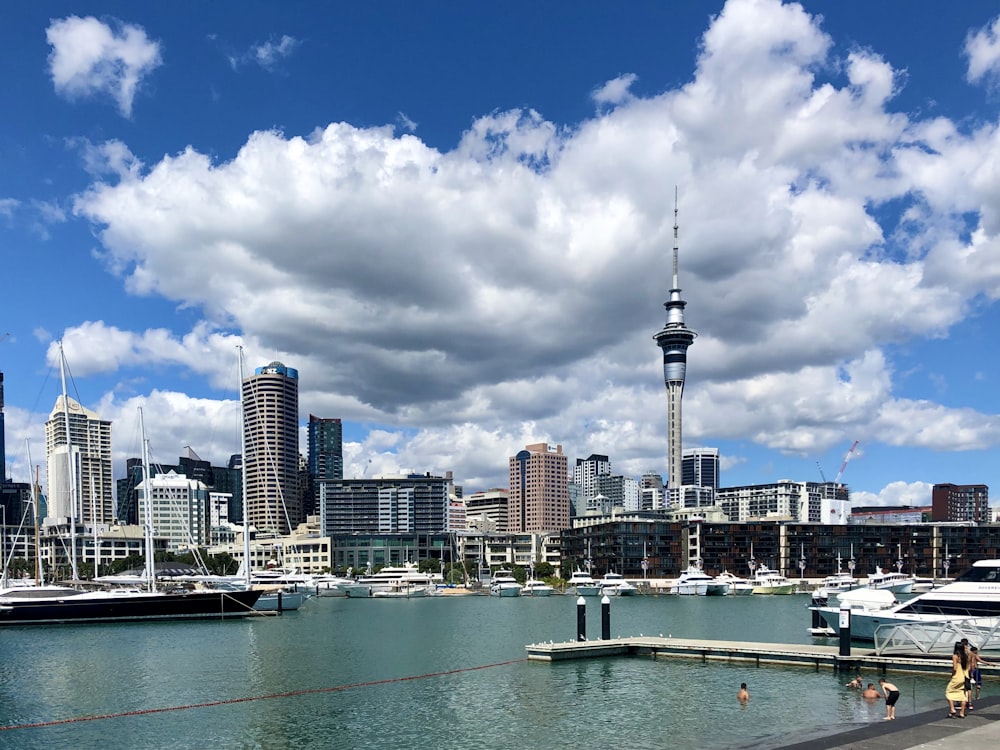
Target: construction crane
[
  {"x": 821, "y": 472},
  {"x": 844, "y": 465}
]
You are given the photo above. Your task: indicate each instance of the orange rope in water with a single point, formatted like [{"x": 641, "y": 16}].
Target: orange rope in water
[{"x": 250, "y": 699}]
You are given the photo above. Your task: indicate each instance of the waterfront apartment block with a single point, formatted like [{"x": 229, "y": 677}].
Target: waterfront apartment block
[
  {"x": 960, "y": 502},
  {"x": 385, "y": 505},
  {"x": 807, "y": 502},
  {"x": 539, "y": 492},
  {"x": 271, "y": 435},
  {"x": 79, "y": 487},
  {"x": 925, "y": 550}
]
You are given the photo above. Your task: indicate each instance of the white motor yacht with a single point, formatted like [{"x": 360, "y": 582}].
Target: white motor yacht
[
  {"x": 737, "y": 586},
  {"x": 504, "y": 584},
  {"x": 974, "y": 594},
  {"x": 582, "y": 583},
  {"x": 614, "y": 584},
  {"x": 534, "y": 587},
  {"x": 897, "y": 583},
  {"x": 392, "y": 581}
]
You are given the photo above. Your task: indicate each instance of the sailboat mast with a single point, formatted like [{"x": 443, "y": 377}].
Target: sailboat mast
[
  {"x": 243, "y": 484},
  {"x": 38, "y": 541},
  {"x": 69, "y": 467},
  {"x": 147, "y": 504}
]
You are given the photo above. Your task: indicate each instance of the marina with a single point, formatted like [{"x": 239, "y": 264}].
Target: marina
[{"x": 428, "y": 671}]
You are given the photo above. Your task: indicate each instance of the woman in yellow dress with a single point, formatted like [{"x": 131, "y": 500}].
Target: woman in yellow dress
[{"x": 955, "y": 692}]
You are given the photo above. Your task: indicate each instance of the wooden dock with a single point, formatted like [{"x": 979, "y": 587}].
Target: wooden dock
[{"x": 804, "y": 655}]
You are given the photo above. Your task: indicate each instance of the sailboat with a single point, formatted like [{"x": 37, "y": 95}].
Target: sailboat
[{"x": 56, "y": 604}]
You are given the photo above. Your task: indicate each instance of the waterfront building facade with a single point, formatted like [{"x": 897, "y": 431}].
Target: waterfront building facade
[
  {"x": 384, "y": 505},
  {"x": 86, "y": 495},
  {"x": 271, "y": 435},
  {"x": 960, "y": 502},
  {"x": 539, "y": 492},
  {"x": 807, "y": 502}
]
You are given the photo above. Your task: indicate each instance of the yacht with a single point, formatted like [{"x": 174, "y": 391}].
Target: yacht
[
  {"x": 897, "y": 583},
  {"x": 835, "y": 584},
  {"x": 767, "y": 581},
  {"x": 504, "y": 584},
  {"x": 614, "y": 584},
  {"x": 534, "y": 587},
  {"x": 974, "y": 594},
  {"x": 695, "y": 582},
  {"x": 737, "y": 586},
  {"x": 582, "y": 584},
  {"x": 403, "y": 581}
]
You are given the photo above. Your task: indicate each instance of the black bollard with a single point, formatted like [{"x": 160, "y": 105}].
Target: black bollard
[
  {"x": 280, "y": 610},
  {"x": 845, "y": 629},
  {"x": 605, "y": 618},
  {"x": 581, "y": 619}
]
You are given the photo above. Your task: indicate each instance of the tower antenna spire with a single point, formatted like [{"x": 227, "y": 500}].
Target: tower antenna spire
[{"x": 675, "y": 282}]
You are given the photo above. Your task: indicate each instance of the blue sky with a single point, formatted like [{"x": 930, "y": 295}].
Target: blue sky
[{"x": 456, "y": 223}]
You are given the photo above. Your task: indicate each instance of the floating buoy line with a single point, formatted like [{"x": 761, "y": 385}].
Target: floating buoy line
[{"x": 253, "y": 698}]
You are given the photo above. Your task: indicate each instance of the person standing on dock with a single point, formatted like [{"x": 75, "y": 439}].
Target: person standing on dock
[
  {"x": 742, "y": 695},
  {"x": 955, "y": 691},
  {"x": 975, "y": 676},
  {"x": 891, "y": 693}
]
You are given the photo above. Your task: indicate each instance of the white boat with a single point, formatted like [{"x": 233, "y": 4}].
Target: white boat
[
  {"x": 504, "y": 584},
  {"x": 974, "y": 594},
  {"x": 897, "y": 583},
  {"x": 767, "y": 581},
  {"x": 693, "y": 582},
  {"x": 534, "y": 587},
  {"x": 737, "y": 586},
  {"x": 614, "y": 584},
  {"x": 325, "y": 584},
  {"x": 582, "y": 583},
  {"x": 403, "y": 581},
  {"x": 835, "y": 584}
]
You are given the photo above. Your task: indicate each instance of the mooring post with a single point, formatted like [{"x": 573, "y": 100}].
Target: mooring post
[
  {"x": 581, "y": 619},
  {"x": 605, "y": 618},
  {"x": 845, "y": 629}
]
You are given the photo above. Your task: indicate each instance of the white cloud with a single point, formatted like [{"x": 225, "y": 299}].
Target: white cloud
[
  {"x": 616, "y": 91},
  {"x": 982, "y": 47},
  {"x": 506, "y": 291},
  {"x": 915, "y": 494},
  {"x": 267, "y": 55},
  {"x": 91, "y": 58}
]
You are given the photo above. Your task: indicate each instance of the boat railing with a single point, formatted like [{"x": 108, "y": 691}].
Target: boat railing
[{"x": 938, "y": 638}]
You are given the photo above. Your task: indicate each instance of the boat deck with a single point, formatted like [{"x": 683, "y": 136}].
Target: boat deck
[{"x": 812, "y": 656}]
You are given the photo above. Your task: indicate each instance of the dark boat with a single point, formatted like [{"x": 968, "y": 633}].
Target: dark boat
[{"x": 43, "y": 605}]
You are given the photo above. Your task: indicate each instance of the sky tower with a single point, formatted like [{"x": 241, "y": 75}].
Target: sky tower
[{"x": 674, "y": 340}]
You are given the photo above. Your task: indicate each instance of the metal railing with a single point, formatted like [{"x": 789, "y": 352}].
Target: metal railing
[{"x": 938, "y": 638}]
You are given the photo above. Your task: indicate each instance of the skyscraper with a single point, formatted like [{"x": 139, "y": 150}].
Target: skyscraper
[
  {"x": 326, "y": 454},
  {"x": 674, "y": 339},
  {"x": 87, "y": 495},
  {"x": 271, "y": 432},
  {"x": 539, "y": 493},
  {"x": 3, "y": 449}
]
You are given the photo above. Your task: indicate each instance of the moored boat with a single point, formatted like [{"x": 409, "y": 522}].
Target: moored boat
[
  {"x": 504, "y": 584},
  {"x": 614, "y": 584},
  {"x": 692, "y": 582},
  {"x": 770, "y": 582},
  {"x": 972, "y": 595},
  {"x": 534, "y": 587},
  {"x": 737, "y": 586},
  {"x": 896, "y": 582},
  {"x": 582, "y": 583}
]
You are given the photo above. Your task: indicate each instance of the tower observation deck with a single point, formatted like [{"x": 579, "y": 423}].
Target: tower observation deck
[{"x": 674, "y": 339}]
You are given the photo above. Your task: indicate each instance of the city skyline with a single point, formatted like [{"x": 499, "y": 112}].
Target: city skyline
[{"x": 464, "y": 253}]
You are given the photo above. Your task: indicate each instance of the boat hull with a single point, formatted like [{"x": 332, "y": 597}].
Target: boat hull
[
  {"x": 199, "y": 605},
  {"x": 781, "y": 589}
]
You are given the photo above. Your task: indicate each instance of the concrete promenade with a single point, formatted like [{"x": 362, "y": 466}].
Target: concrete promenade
[{"x": 980, "y": 730}]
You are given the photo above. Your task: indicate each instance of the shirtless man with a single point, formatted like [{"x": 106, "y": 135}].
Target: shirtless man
[
  {"x": 871, "y": 692},
  {"x": 976, "y": 677},
  {"x": 856, "y": 683},
  {"x": 742, "y": 695},
  {"x": 891, "y": 693}
]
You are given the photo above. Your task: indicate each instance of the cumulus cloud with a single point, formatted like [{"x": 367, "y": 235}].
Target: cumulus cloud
[
  {"x": 616, "y": 91},
  {"x": 468, "y": 301},
  {"x": 982, "y": 47},
  {"x": 91, "y": 58}
]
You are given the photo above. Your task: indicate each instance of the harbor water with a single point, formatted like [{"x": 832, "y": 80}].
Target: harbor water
[{"x": 439, "y": 672}]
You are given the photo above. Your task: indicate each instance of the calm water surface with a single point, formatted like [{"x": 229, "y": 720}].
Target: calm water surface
[{"x": 351, "y": 654}]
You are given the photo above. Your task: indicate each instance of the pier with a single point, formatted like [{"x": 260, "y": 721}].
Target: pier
[{"x": 811, "y": 656}]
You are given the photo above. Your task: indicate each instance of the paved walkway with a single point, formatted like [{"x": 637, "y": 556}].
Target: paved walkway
[{"x": 979, "y": 730}]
